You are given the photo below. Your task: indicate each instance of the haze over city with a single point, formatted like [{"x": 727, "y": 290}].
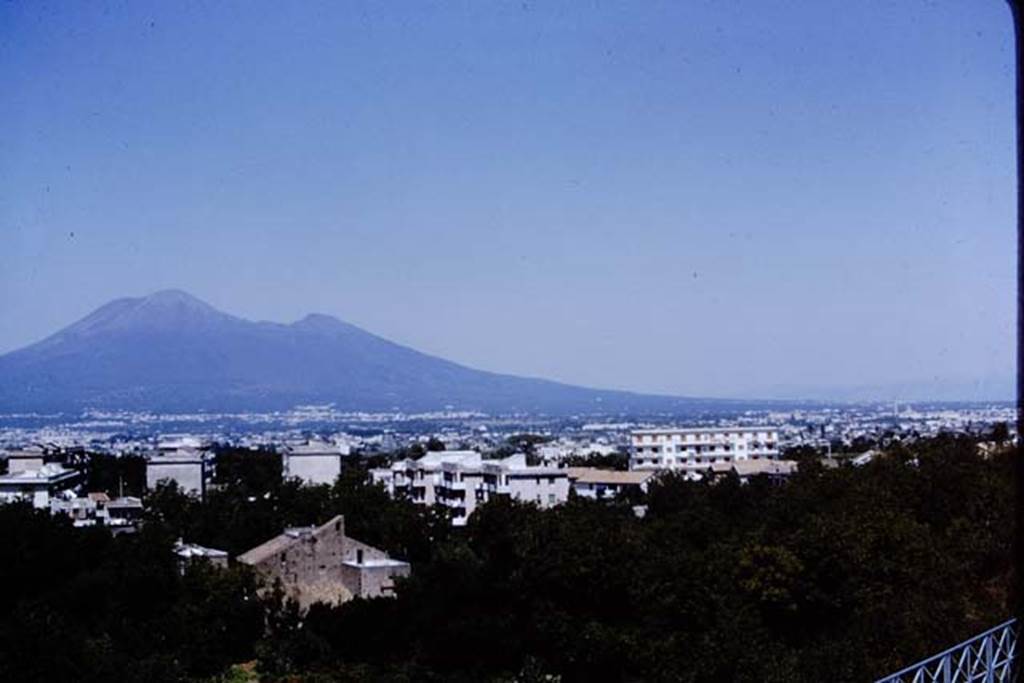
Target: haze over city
[{"x": 807, "y": 201}]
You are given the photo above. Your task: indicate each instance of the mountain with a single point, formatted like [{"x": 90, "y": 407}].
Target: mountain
[{"x": 172, "y": 352}]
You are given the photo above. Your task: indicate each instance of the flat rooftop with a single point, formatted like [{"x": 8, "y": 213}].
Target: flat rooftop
[
  {"x": 183, "y": 456},
  {"x": 593, "y": 475},
  {"x": 47, "y": 474},
  {"x": 704, "y": 430}
]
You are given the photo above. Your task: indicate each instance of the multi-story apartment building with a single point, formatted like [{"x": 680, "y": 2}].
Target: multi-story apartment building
[
  {"x": 463, "y": 480},
  {"x": 695, "y": 450}
]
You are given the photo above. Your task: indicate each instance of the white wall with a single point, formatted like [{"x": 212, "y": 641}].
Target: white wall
[
  {"x": 188, "y": 475},
  {"x": 314, "y": 469},
  {"x": 528, "y": 489}
]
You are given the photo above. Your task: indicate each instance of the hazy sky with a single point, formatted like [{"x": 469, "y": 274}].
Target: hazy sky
[{"x": 714, "y": 198}]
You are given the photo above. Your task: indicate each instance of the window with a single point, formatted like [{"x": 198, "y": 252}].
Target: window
[{"x": 551, "y": 499}]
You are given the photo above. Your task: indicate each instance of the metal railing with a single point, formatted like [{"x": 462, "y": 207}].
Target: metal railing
[{"x": 989, "y": 657}]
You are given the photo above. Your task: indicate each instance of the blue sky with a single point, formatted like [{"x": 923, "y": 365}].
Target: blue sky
[{"x": 689, "y": 198}]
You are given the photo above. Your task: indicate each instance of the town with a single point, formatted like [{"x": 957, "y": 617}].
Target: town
[
  {"x": 457, "y": 461},
  {"x": 319, "y": 509}
]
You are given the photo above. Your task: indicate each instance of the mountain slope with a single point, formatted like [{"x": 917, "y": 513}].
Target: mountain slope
[{"x": 172, "y": 352}]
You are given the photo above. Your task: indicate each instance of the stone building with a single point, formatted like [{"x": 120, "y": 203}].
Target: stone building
[{"x": 322, "y": 564}]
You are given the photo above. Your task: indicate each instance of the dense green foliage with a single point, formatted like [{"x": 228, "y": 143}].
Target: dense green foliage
[
  {"x": 609, "y": 461},
  {"x": 837, "y": 575},
  {"x": 81, "y": 605},
  {"x": 116, "y": 475},
  {"x": 246, "y": 470}
]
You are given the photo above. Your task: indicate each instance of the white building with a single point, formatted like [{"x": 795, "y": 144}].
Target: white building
[
  {"x": 39, "y": 486},
  {"x": 598, "y": 484},
  {"x": 463, "y": 480},
  {"x": 189, "y": 553},
  {"x": 177, "y": 442},
  {"x": 98, "y": 509},
  {"x": 25, "y": 460},
  {"x": 314, "y": 462},
  {"x": 775, "y": 470},
  {"x": 693, "y": 450},
  {"x": 190, "y": 468}
]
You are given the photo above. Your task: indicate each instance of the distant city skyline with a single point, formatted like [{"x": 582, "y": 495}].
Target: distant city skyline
[{"x": 676, "y": 199}]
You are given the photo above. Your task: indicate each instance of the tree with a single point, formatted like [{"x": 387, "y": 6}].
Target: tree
[
  {"x": 837, "y": 574},
  {"x": 608, "y": 461},
  {"x": 256, "y": 471},
  {"x": 115, "y": 475},
  {"x": 1000, "y": 433}
]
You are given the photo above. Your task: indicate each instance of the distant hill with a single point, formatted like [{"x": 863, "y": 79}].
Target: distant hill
[{"x": 172, "y": 352}]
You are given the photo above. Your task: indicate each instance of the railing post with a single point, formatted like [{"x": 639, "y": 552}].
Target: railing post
[
  {"x": 990, "y": 673},
  {"x": 995, "y": 649}
]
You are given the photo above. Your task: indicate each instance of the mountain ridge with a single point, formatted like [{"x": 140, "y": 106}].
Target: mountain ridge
[{"x": 172, "y": 351}]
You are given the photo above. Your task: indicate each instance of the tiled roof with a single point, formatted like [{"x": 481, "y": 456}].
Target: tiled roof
[{"x": 280, "y": 543}]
